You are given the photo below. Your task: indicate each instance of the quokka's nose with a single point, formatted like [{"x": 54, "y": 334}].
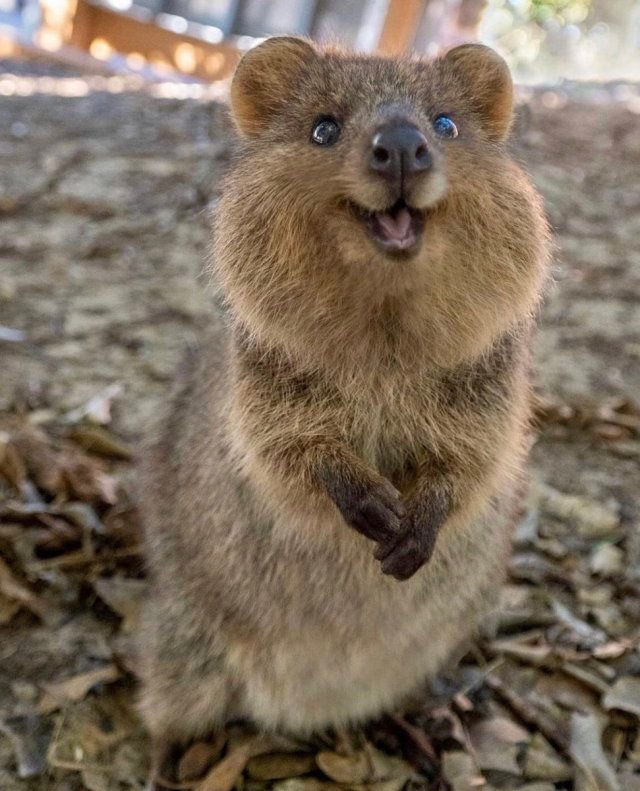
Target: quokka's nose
[{"x": 399, "y": 150}]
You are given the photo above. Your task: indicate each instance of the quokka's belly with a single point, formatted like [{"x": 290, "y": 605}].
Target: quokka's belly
[{"x": 365, "y": 652}]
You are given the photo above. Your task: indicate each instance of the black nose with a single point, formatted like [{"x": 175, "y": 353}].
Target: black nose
[{"x": 399, "y": 150}]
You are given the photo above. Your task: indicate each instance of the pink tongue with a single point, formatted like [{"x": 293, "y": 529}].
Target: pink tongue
[{"x": 396, "y": 227}]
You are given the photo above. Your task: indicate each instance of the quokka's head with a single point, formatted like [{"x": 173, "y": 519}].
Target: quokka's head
[{"x": 391, "y": 173}]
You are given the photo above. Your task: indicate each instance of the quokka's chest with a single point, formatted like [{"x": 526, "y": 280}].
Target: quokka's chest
[{"x": 391, "y": 428}]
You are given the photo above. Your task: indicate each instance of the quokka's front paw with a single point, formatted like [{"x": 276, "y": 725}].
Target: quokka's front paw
[
  {"x": 373, "y": 508},
  {"x": 407, "y": 553}
]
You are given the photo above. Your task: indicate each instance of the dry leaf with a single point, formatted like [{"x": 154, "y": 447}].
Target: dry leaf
[
  {"x": 16, "y": 591},
  {"x": 594, "y": 772},
  {"x": 224, "y": 775},
  {"x": 461, "y": 772},
  {"x": 587, "y": 633},
  {"x": 199, "y": 758},
  {"x": 98, "y": 440},
  {"x": 98, "y": 408},
  {"x": 542, "y": 762},
  {"x": 29, "y": 737},
  {"x": 8, "y": 609},
  {"x": 76, "y": 688},
  {"x": 496, "y": 744},
  {"x": 523, "y": 650},
  {"x": 304, "y": 784},
  {"x": 624, "y": 695},
  {"x": 124, "y": 596},
  {"x": 278, "y": 766},
  {"x": 12, "y": 466},
  {"x": 349, "y": 769}
]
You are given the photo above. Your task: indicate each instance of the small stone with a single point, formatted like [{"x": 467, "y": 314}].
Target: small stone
[
  {"x": 607, "y": 560},
  {"x": 25, "y": 692},
  {"x": 591, "y": 518},
  {"x": 19, "y": 130}
]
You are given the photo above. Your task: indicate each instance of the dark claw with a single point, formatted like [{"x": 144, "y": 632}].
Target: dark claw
[
  {"x": 372, "y": 507},
  {"x": 406, "y": 554},
  {"x": 406, "y": 557},
  {"x": 378, "y": 515}
]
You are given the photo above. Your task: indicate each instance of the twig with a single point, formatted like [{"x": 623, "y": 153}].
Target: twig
[
  {"x": 530, "y": 715},
  {"x": 419, "y": 739},
  {"x": 81, "y": 558}
]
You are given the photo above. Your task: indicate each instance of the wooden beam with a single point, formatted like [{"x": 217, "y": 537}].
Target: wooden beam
[
  {"x": 401, "y": 26},
  {"x": 101, "y": 31}
]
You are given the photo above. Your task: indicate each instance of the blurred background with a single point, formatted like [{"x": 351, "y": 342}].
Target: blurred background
[{"x": 544, "y": 40}]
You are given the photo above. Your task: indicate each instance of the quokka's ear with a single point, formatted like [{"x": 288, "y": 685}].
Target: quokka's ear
[
  {"x": 486, "y": 82},
  {"x": 265, "y": 79}
]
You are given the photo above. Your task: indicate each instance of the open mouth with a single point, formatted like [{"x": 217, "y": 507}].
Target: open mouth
[{"x": 397, "y": 229}]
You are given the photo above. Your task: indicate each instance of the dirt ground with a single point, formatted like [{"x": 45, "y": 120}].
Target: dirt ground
[{"x": 104, "y": 204}]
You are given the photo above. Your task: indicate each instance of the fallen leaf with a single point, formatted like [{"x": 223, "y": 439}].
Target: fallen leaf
[
  {"x": 12, "y": 466},
  {"x": 303, "y": 784},
  {"x": 386, "y": 768},
  {"x": 629, "y": 780},
  {"x": 460, "y": 771},
  {"x": 14, "y": 590},
  {"x": 29, "y": 736},
  {"x": 496, "y": 744},
  {"x": 124, "y": 596},
  {"x": 224, "y": 775},
  {"x": 76, "y": 687},
  {"x": 199, "y": 758},
  {"x": 101, "y": 734},
  {"x": 542, "y": 762},
  {"x": 98, "y": 408},
  {"x": 98, "y": 440},
  {"x": 624, "y": 695},
  {"x": 523, "y": 650},
  {"x": 279, "y": 766},
  {"x": 587, "y": 677},
  {"x": 593, "y": 770},
  {"x": 612, "y": 649},
  {"x": 8, "y": 609},
  {"x": 350, "y": 769},
  {"x": 587, "y": 633},
  {"x": 85, "y": 479}
]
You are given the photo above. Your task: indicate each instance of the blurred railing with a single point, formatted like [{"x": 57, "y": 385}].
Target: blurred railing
[{"x": 205, "y": 38}]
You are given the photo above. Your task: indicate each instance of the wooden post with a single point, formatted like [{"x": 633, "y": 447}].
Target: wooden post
[
  {"x": 97, "y": 28},
  {"x": 401, "y": 26}
]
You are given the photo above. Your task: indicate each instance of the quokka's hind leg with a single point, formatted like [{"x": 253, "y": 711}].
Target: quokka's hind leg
[
  {"x": 164, "y": 763},
  {"x": 179, "y": 708}
]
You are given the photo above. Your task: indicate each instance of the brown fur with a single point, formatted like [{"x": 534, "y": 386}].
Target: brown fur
[{"x": 352, "y": 387}]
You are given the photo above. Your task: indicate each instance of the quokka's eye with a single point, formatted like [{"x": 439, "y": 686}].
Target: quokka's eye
[
  {"x": 326, "y": 130},
  {"x": 444, "y": 126}
]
